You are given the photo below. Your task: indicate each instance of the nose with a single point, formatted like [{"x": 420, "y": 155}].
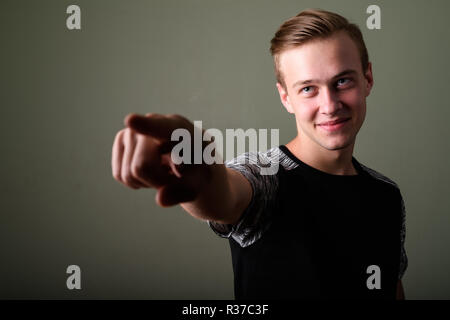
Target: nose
[{"x": 329, "y": 101}]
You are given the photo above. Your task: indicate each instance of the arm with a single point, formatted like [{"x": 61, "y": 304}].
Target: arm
[
  {"x": 223, "y": 199},
  {"x": 141, "y": 158}
]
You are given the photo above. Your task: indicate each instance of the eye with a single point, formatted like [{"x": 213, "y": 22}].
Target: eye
[
  {"x": 343, "y": 81},
  {"x": 306, "y": 89}
]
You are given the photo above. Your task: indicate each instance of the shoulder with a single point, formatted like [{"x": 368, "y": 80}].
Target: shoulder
[
  {"x": 384, "y": 186},
  {"x": 379, "y": 177},
  {"x": 262, "y": 170},
  {"x": 389, "y": 184},
  {"x": 273, "y": 157}
]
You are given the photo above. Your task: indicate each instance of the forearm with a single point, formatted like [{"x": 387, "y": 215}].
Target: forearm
[{"x": 217, "y": 200}]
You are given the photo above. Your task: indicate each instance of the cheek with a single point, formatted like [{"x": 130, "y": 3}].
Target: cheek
[
  {"x": 305, "y": 111},
  {"x": 353, "y": 98},
  {"x": 355, "y": 101}
]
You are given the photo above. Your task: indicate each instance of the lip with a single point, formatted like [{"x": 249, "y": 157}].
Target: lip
[{"x": 334, "y": 125}]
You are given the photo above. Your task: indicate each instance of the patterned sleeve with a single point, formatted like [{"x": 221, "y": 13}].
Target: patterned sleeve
[
  {"x": 403, "y": 256},
  {"x": 256, "y": 217}
]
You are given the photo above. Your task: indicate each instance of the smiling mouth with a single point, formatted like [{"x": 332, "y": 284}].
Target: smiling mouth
[{"x": 335, "y": 125}]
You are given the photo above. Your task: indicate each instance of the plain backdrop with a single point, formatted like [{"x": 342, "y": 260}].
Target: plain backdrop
[{"x": 65, "y": 93}]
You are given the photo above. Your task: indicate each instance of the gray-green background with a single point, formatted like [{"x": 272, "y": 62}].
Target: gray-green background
[{"x": 64, "y": 95}]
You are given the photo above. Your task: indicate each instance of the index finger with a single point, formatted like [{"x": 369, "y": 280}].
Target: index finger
[{"x": 155, "y": 125}]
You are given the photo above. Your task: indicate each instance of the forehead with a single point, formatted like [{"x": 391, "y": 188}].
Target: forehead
[{"x": 320, "y": 59}]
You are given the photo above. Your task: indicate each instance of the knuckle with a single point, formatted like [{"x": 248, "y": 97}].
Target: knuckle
[
  {"x": 127, "y": 132},
  {"x": 119, "y": 134},
  {"x": 116, "y": 176},
  {"x": 137, "y": 170},
  {"x": 127, "y": 178},
  {"x": 129, "y": 136}
]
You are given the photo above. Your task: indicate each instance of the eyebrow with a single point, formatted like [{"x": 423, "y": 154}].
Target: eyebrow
[{"x": 340, "y": 74}]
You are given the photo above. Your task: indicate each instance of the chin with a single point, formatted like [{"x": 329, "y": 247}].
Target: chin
[{"x": 336, "y": 145}]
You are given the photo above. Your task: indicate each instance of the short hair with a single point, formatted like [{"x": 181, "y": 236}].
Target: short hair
[{"x": 313, "y": 24}]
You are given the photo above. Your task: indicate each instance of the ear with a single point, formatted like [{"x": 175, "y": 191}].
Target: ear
[
  {"x": 284, "y": 97},
  {"x": 369, "y": 79}
]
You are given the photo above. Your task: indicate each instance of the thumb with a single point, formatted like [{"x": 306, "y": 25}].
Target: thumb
[{"x": 173, "y": 194}]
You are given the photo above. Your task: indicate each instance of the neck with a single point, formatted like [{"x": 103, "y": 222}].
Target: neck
[{"x": 337, "y": 162}]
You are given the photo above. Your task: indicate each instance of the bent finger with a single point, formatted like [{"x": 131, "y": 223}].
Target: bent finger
[
  {"x": 157, "y": 125},
  {"x": 129, "y": 142},
  {"x": 117, "y": 154},
  {"x": 146, "y": 166},
  {"x": 174, "y": 194}
]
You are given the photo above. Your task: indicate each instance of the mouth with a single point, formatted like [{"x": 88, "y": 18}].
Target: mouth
[{"x": 334, "y": 125}]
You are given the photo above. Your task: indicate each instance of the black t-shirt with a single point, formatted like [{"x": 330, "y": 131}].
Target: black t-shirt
[{"x": 311, "y": 234}]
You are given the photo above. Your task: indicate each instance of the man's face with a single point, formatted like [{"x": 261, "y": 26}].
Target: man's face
[{"x": 325, "y": 82}]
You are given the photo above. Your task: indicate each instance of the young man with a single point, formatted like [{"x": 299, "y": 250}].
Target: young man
[{"x": 323, "y": 226}]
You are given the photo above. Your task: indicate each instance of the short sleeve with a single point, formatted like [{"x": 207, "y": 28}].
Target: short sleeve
[
  {"x": 403, "y": 256},
  {"x": 257, "y": 216}
]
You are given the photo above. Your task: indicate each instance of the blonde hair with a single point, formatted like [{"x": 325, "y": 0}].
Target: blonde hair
[{"x": 309, "y": 25}]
